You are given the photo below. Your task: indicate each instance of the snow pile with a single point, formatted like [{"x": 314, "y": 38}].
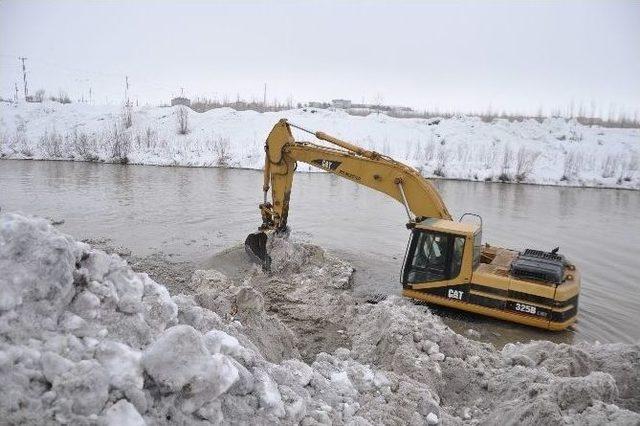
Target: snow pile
[
  {"x": 555, "y": 151},
  {"x": 85, "y": 340}
]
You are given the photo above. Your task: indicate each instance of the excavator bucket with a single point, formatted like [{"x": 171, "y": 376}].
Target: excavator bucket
[{"x": 256, "y": 247}]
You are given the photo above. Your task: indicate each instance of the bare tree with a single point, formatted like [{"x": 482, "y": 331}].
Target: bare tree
[
  {"x": 51, "y": 144},
  {"x": 19, "y": 142},
  {"x": 443, "y": 155},
  {"x": 221, "y": 152},
  {"x": 489, "y": 155},
  {"x": 63, "y": 97},
  {"x": 84, "y": 145},
  {"x": 630, "y": 167},
  {"x": 610, "y": 166},
  {"x": 120, "y": 145},
  {"x": 182, "y": 116},
  {"x": 572, "y": 165},
  {"x": 39, "y": 96},
  {"x": 525, "y": 160},
  {"x": 506, "y": 164},
  {"x": 428, "y": 152},
  {"x": 150, "y": 138},
  {"x": 127, "y": 116}
]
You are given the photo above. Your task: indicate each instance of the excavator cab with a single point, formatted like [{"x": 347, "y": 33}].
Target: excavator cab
[
  {"x": 436, "y": 250},
  {"x": 440, "y": 254},
  {"x": 434, "y": 257}
]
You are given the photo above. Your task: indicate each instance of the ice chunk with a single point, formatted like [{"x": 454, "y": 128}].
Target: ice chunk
[
  {"x": 159, "y": 310},
  {"x": 269, "y": 394},
  {"x": 85, "y": 385},
  {"x": 218, "y": 341},
  {"x": 176, "y": 357},
  {"x": 432, "y": 419},
  {"x": 122, "y": 363},
  {"x": 31, "y": 249},
  {"x": 340, "y": 381},
  {"x": 129, "y": 288},
  {"x": 53, "y": 365},
  {"x": 86, "y": 304},
  {"x": 180, "y": 361},
  {"x": 123, "y": 413}
]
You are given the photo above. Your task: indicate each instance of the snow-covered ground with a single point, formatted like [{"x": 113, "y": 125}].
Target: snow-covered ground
[
  {"x": 85, "y": 340},
  {"x": 556, "y": 151}
]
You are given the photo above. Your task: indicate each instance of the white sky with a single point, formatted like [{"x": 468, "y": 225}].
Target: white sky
[{"x": 515, "y": 56}]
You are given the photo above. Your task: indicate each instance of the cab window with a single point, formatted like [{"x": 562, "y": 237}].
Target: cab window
[
  {"x": 477, "y": 247},
  {"x": 456, "y": 263},
  {"x": 433, "y": 256}
]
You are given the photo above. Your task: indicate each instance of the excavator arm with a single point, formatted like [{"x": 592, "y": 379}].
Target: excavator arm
[
  {"x": 282, "y": 152},
  {"x": 364, "y": 167}
]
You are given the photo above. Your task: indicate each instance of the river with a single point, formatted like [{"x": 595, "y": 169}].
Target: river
[{"x": 191, "y": 214}]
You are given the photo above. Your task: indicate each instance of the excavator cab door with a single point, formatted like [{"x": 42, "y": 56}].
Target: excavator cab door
[{"x": 434, "y": 260}]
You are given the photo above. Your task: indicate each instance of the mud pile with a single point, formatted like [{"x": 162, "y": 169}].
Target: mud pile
[{"x": 85, "y": 340}]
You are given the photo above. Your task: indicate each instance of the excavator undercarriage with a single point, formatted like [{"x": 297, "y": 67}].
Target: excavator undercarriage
[{"x": 445, "y": 262}]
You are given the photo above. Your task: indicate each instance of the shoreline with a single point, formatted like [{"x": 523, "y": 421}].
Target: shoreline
[
  {"x": 553, "y": 152},
  {"x": 434, "y": 178}
]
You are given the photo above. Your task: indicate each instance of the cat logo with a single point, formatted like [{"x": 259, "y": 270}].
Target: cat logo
[
  {"x": 455, "y": 294},
  {"x": 326, "y": 164}
]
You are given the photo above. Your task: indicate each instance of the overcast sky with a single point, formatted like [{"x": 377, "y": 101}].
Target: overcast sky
[{"x": 515, "y": 56}]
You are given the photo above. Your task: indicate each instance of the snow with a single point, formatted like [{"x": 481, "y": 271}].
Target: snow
[
  {"x": 123, "y": 364},
  {"x": 432, "y": 419},
  {"x": 179, "y": 360},
  {"x": 556, "y": 151},
  {"x": 291, "y": 347},
  {"x": 123, "y": 413}
]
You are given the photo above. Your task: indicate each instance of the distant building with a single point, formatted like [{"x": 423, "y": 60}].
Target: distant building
[
  {"x": 341, "y": 103},
  {"x": 401, "y": 109},
  {"x": 180, "y": 100},
  {"x": 316, "y": 105}
]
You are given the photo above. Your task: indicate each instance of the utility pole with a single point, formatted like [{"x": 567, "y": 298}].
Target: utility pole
[
  {"x": 126, "y": 89},
  {"x": 90, "y": 96},
  {"x": 15, "y": 98},
  {"x": 264, "y": 97},
  {"x": 24, "y": 76}
]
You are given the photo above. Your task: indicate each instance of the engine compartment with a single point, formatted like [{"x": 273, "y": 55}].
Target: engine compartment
[{"x": 538, "y": 265}]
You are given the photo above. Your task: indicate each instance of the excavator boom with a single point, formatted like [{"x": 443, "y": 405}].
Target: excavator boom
[{"x": 349, "y": 161}]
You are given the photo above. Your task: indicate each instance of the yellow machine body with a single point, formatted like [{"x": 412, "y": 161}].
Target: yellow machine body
[
  {"x": 446, "y": 263},
  {"x": 485, "y": 285}
]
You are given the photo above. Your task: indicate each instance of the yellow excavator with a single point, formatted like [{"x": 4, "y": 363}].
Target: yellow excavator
[{"x": 445, "y": 261}]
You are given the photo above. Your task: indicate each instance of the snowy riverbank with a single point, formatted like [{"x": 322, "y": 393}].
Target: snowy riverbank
[
  {"x": 85, "y": 340},
  {"x": 555, "y": 152}
]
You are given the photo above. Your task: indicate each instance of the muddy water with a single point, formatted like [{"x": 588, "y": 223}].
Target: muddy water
[{"x": 190, "y": 215}]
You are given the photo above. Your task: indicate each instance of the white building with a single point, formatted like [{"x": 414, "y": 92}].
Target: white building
[{"x": 341, "y": 103}]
